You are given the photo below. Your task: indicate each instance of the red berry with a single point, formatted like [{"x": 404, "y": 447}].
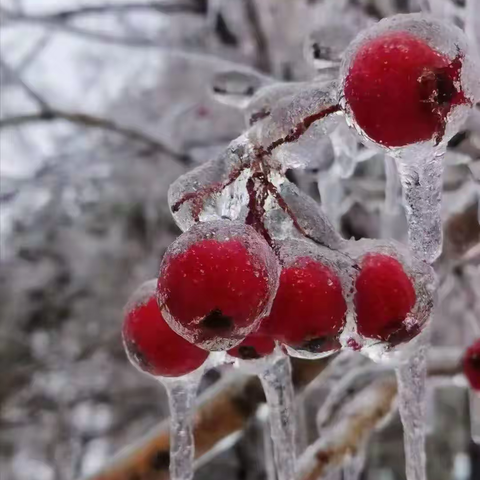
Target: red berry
[
  {"x": 151, "y": 344},
  {"x": 384, "y": 297},
  {"x": 216, "y": 282},
  {"x": 256, "y": 345},
  {"x": 309, "y": 309},
  {"x": 471, "y": 365},
  {"x": 400, "y": 90}
]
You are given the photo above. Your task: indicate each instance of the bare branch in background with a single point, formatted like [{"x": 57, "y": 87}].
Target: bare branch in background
[
  {"x": 91, "y": 121},
  {"x": 59, "y": 20},
  {"x": 151, "y": 7}
]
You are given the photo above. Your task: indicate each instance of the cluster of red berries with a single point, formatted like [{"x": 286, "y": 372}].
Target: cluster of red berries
[
  {"x": 222, "y": 287},
  {"x": 229, "y": 286}
]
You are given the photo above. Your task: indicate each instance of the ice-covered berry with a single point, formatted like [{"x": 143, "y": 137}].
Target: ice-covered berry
[
  {"x": 151, "y": 345},
  {"x": 255, "y": 346},
  {"x": 471, "y": 365},
  {"x": 309, "y": 310},
  {"x": 384, "y": 297},
  {"x": 216, "y": 282},
  {"x": 399, "y": 90}
]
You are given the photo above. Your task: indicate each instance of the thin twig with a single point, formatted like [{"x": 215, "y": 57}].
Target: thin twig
[
  {"x": 91, "y": 121},
  {"x": 12, "y": 72},
  {"x": 156, "y": 7}
]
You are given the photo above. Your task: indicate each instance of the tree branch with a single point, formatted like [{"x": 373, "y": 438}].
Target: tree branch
[{"x": 52, "y": 114}]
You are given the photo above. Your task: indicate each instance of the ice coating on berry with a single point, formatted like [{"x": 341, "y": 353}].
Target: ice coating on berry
[
  {"x": 256, "y": 345},
  {"x": 216, "y": 282},
  {"x": 309, "y": 310},
  {"x": 384, "y": 297},
  {"x": 407, "y": 80},
  {"x": 151, "y": 345},
  {"x": 394, "y": 294},
  {"x": 400, "y": 90},
  {"x": 471, "y": 365}
]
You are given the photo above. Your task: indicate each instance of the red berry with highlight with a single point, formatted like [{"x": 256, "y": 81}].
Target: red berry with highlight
[
  {"x": 216, "y": 282},
  {"x": 309, "y": 309},
  {"x": 151, "y": 344},
  {"x": 471, "y": 365},
  {"x": 384, "y": 297},
  {"x": 400, "y": 90}
]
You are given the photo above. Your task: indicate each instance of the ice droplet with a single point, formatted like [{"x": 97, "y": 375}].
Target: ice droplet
[{"x": 236, "y": 88}]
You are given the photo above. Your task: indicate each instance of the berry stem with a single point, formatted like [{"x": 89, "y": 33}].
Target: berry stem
[
  {"x": 277, "y": 384},
  {"x": 182, "y": 393}
]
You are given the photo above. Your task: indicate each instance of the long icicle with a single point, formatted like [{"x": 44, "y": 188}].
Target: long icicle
[
  {"x": 411, "y": 379},
  {"x": 277, "y": 384},
  {"x": 182, "y": 393}
]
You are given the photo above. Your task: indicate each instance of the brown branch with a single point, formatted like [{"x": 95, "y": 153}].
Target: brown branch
[
  {"x": 225, "y": 410},
  {"x": 222, "y": 412},
  {"x": 91, "y": 121}
]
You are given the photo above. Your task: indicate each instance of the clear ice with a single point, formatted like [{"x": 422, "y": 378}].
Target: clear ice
[
  {"x": 182, "y": 393},
  {"x": 276, "y": 379},
  {"x": 411, "y": 379}
]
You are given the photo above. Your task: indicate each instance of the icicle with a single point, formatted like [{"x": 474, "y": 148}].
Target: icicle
[
  {"x": 268, "y": 454},
  {"x": 421, "y": 180},
  {"x": 411, "y": 378},
  {"x": 474, "y": 398},
  {"x": 276, "y": 379},
  {"x": 182, "y": 393}
]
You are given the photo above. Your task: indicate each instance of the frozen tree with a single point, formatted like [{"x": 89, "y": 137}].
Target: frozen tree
[{"x": 105, "y": 104}]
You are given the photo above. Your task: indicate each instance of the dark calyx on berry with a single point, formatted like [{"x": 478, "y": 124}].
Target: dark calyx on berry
[
  {"x": 384, "y": 297},
  {"x": 400, "y": 90},
  {"x": 215, "y": 320},
  {"x": 255, "y": 346},
  {"x": 321, "y": 345},
  {"x": 471, "y": 365}
]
